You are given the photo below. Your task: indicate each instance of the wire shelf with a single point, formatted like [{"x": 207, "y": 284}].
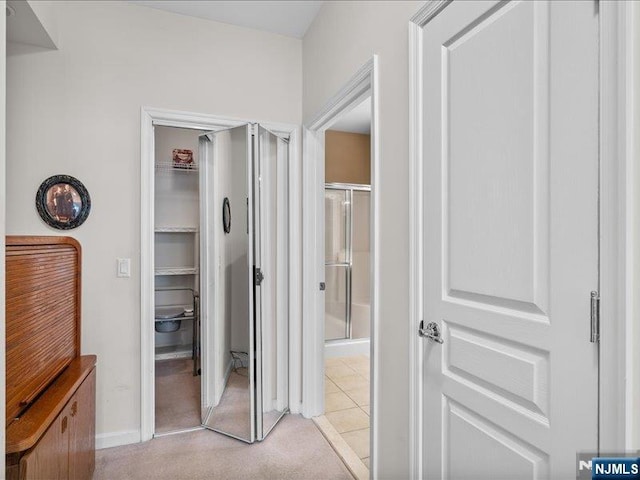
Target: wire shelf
[
  {"x": 177, "y": 271},
  {"x": 170, "y": 167},
  {"x": 176, "y": 230}
]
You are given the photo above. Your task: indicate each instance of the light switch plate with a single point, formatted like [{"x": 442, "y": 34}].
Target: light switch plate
[{"x": 124, "y": 267}]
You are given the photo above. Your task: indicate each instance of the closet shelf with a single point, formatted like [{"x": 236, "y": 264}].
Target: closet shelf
[
  {"x": 176, "y": 271},
  {"x": 169, "y": 167},
  {"x": 170, "y": 308},
  {"x": 173, "y": 351},
  {"x": 191, "y": 317},
  {"x": 176, "y": 230}
]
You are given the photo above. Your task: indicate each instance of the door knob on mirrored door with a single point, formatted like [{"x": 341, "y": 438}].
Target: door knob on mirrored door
[{"x": 431, "y": 331}]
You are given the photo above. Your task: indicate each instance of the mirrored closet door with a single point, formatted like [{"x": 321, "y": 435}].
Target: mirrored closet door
[{"x": 244, "y": 281}]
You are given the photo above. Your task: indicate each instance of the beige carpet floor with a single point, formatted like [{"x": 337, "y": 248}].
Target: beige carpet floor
[
  {"x": 177, "y": 395},
  {"x": 295, "y": 449}
]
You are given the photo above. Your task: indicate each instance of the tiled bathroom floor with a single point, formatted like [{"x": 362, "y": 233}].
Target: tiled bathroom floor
[{"x": 346, "y": 397}]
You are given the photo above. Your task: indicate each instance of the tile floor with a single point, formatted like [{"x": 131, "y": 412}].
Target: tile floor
[{"x": 346, "y": 397}]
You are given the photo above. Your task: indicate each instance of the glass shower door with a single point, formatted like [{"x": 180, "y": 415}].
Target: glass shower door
[
  {"x": 360, "y": 310},
  {"x": 337, "y": 266},
  {"x": 347, "y": 261}
]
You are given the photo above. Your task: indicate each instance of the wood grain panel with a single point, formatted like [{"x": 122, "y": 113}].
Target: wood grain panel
[
  {"x": 51, "y": 459},
  {"x": 42, "y": 315},
  {"x": 82, "y": 433},
  {"x": 23, "y": 434}
]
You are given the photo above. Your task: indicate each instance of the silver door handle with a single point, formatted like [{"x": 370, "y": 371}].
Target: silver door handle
[{"x": 432, "y": 331}]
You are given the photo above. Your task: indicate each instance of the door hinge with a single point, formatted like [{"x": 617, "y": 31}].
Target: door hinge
[
  {"x": 259, "y": 276},
  {"x": 595, "y": 317}
]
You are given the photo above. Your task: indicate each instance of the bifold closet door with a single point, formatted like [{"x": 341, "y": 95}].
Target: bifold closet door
[
  {"x": 227, "y": 244},
  {"x": 272, "y": 302},
  {"x": 245, "y": 304}
]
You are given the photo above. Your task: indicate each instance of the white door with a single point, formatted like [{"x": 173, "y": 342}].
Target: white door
[{"x": 510, "y": 248}]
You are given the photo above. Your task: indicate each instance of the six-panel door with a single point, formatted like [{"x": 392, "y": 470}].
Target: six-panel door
[{"x": 510, "y": 165}]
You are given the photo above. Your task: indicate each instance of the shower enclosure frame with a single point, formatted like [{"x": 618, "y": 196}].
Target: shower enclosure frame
[{"x": 348, "y": 188}]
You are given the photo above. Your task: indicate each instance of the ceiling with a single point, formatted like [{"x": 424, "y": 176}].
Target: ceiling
[
  {"x": 291, "y": 18},
  {"x": 23, "y": 26},
  {"x": 357, "y": 120}
]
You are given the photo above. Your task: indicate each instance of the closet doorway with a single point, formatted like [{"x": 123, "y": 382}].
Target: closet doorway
[
  {"x": 215, "y": 275},
  {"x": 176, "y": 279}
]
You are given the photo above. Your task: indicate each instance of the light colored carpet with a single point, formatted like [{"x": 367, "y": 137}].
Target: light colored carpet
[
  {"x": 177, "y": 395},
  {"x": 295, "y": 449}
]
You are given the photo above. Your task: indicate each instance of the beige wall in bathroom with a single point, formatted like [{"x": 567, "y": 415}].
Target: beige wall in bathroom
[
  {"x": 76, "y": 111},
  {"x": 347, "y": 157}
]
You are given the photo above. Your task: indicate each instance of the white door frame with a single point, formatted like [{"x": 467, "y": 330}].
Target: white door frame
[
  {"x": 149, "y": 118},
  {"x": 619, "y": 369},
  {"x": 362, "y": 85}
]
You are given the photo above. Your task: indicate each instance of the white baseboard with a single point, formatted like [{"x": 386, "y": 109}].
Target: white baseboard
[
  {"x": 345, "y": 348},
  {"x": 115, "y": 439}
]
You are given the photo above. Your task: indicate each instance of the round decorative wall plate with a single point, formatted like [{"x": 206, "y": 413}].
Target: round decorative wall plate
[
  {"x": 226, "y": 215},
  {"x": 63, "y": 202}
]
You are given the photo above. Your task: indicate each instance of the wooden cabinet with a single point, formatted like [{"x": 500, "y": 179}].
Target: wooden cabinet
[
  {"x": 50, "y": 457},
  {"x": 66, "y": 449},
  {"x": 50, "y": 387}
]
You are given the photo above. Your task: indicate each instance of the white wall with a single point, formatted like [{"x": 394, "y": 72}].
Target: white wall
[
  {"x": 77, "y": 111},
  {"x": 2, "y": 222},
  {"x": 341, "y": 39}
]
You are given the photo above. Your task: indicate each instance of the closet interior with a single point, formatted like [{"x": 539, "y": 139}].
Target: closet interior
[{"x": 177, "y": 279}]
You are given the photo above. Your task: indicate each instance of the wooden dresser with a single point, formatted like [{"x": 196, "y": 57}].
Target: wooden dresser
[{"x": 50, "y": 389}]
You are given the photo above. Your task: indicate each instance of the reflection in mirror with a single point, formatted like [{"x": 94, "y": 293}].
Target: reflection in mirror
[{"x": 227, "y": 355}]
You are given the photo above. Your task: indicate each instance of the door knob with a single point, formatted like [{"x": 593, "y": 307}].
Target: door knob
[{"x": 432, "y": 331}]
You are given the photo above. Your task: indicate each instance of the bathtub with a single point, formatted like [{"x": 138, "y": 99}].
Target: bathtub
[{"x": 335, "y": 327}]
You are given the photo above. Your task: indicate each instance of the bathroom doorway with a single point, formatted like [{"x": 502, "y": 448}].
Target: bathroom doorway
[
  {"x": 353, "y": 399},
  {"x": 347, "y": 297}
]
